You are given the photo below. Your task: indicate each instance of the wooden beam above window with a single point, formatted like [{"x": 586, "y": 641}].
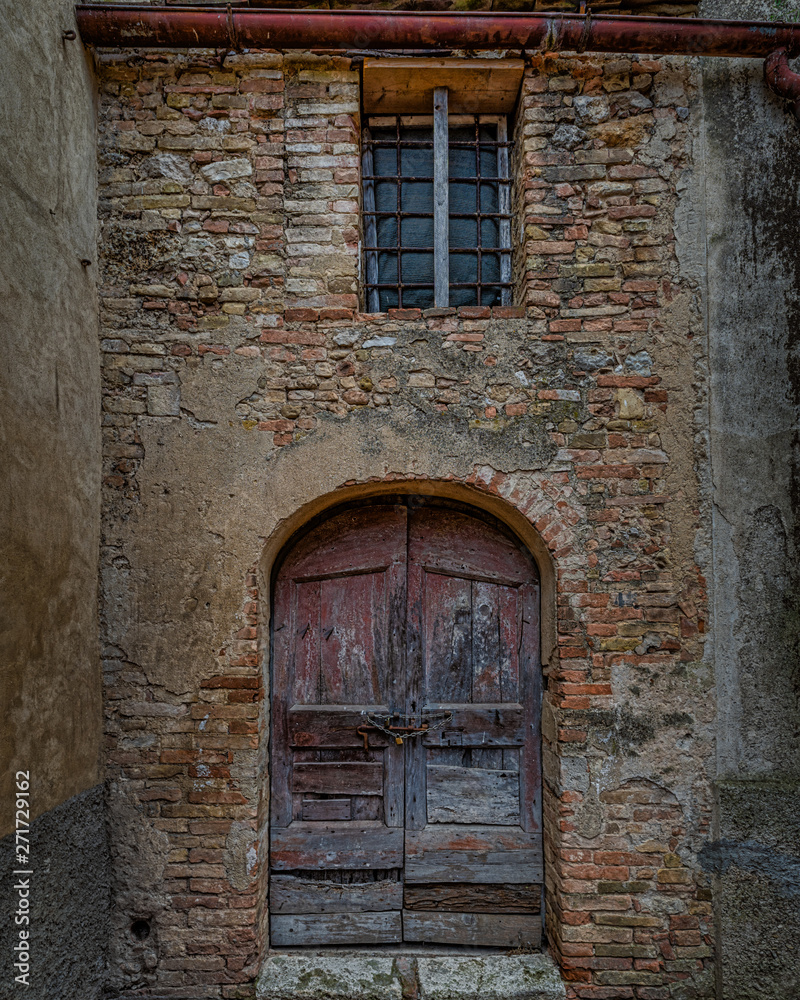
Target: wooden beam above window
[{"x": 476, "y": 86}]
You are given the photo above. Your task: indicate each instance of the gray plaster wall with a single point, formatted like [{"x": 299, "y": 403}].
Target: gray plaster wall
[
  {"x": 49, "y": 488},
  {"x": 752, "y": 185},
  {"x": 69, "y": 894}
]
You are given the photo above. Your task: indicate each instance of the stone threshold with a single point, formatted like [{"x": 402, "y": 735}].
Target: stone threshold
[{"x": 363, "y": 976}]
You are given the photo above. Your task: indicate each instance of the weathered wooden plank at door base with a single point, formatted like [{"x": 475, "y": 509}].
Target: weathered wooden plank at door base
[
  {"x": 472, "y": 898},
  {"x": 484, "y": 868},
  {"x": 339, "y": 778},
  {"x": 472, "y": 795},
  {"x": 485, "y": 854},
  {"x": 498, "y": 930},
  {"x": 349, "y": 845},
  {"x": 335, "y": 928},
  {"x": 289, "y": 894}
]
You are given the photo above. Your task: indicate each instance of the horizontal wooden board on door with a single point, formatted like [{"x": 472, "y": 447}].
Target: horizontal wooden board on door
[
  {"x": 501, "y": 930},
  {"x": 287, "y": 930},
  {"x": 293, "y": 894},
  {"x": 349, "y": 845},
  {"x": 474, "y": 897}
]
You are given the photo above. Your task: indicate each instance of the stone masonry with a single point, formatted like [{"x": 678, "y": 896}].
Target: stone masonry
[{"x": 235, "y": 347}]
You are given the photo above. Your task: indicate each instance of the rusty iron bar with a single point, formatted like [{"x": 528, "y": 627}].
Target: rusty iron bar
[{"x": 117, "y": 25}]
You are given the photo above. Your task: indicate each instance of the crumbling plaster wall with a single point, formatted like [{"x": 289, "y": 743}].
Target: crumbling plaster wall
[
  {"x": 50, "y": 496},
  {"x": 752, "y": 182}
]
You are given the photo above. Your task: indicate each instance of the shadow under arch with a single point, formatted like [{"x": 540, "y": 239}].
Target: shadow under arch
[{"x": 290, "y": 530}]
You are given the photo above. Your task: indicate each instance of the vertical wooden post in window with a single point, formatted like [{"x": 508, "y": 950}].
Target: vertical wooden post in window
[
  {"x": 370, "y": 226},
  {"x": 504, "y": 207},
  {"x": 441, "y": 200}
]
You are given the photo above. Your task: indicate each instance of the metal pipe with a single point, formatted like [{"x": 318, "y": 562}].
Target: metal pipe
[
  {"x": 781, "y": 80},
  {"x": 116, "y": 25}
]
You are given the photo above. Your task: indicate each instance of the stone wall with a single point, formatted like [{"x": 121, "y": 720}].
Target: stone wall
[
  {"x": 50, "y": 688},
  {"x": 245, "y": 391}
]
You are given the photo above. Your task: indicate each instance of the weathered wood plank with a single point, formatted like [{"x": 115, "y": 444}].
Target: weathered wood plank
[
  {"x": 361, "y": 540},
  {"x": 326, "y": 809},
  {"x": 504, "y": 207},
  {"x": 477, "y": 838},
  {"x": 306, "y": 642},
  {"x": 472, "y": 795},
  {"x": 415, "y": 755},
  {"x": 352, "y": 616},
  {"x": 521, "y": 867},
  {"x": 281, "y": 804},
  {"x": 339, "y": 778},
  {"x": 370, "y": 225},
  {"x": 455, "y": 544},
  {"x": 447, "y": 611},
  {"x": 441, "y": 199},
  {"x": 335, "y": 928},
  {"x": 347, "y": 845},
  {"x": 485, "y": 643},
  {"x": 394, "y": 684},
  {"x": 472, "y": 898},
  {"x": 367, "y": 807},
  {"x": 334, "y": 726},
  {"x": 531, "y": 694},
  {"x": 489, "y": 760},
  {"x": 289, "y": 894},
  {"x": 405, "y": 85},
  {"x": 488, "y": 929},
  {"x": 485, "y": 854},
  {"x": 510, "y": 621},
  {"x": 488, "y": 725}
]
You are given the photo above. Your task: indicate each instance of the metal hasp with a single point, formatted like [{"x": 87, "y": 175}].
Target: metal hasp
[
  {"x": 124, "y": 25},
  {"x": 781, "y": 80}
]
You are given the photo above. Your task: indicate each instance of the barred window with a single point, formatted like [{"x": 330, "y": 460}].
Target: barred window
[{"x": 437, "y": 222}]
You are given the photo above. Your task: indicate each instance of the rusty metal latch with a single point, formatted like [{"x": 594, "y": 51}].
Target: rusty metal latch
[{"x": 404, "y": 728}]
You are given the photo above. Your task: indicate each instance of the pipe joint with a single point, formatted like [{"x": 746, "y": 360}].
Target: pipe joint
[{"x": 782, "y": 80}]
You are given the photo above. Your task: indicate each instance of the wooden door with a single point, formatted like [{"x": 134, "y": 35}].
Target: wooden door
[
  {"x": 336, "y": 838},
  {"x": 473, "y": 861},
  {"x": 428, "y": 611}
]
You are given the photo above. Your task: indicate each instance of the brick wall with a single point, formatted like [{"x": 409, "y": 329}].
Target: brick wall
[{"x": 229, "y": 203}]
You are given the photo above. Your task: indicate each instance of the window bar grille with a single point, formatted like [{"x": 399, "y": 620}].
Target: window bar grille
[
  {"x": 504, "y": 207},
  {"x": 373, "y": 250},
  {"x": 441, "y": 200},
  {"x": 370, "y": 228}
]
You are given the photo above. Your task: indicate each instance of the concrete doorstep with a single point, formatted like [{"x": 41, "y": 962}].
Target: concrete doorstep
[{"x": 359, "y": 976}]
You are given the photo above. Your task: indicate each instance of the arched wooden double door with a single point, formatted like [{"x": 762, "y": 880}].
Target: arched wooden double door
[{"x": 412, "y": 614}]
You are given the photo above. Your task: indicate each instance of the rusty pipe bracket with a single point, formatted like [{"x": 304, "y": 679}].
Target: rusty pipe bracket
[
  {"x": 585, "y": 33},
  {"x": 782, "y": 80},
  {"x": 233, "y": 37}
]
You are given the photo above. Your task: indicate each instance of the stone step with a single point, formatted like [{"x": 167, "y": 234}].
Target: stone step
[{"x": 364, "y": 976}]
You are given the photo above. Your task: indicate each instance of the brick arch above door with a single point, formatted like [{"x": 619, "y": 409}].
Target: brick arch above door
[{"x": 415, "y": 618}]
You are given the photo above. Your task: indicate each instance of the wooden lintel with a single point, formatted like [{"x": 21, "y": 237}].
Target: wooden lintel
[{"x": 396, "y": 86}]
